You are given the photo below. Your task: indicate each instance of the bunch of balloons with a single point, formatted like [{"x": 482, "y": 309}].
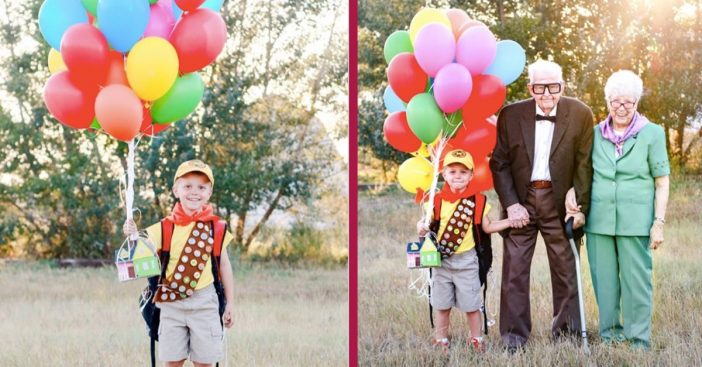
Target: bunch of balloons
[
  {"x": 447, "y": 76},
  {"x": 128, "y": 66}
]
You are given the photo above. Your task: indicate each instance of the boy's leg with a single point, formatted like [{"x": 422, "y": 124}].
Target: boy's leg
[
  {"x": 441, "y": 327},
  {"x": 475, "y": 323},
  {"x": 172, "y": 334},
  {"x": 206, "y": 332},
  {"x": 175, "y": 364}
]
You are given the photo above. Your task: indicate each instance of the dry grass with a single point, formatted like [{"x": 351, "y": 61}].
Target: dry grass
[
  {"x": 85, "y": 317},
  {"x": 394, "y": 327}
]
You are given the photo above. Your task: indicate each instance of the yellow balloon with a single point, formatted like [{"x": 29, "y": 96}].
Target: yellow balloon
[
  {"x": 152, "y": 68},
  {"x": 426, "y": 16},
  {"x": 55, "y": 62},
  {"x": 422, "y": 152},
  {"x": 416, "y": 172}
]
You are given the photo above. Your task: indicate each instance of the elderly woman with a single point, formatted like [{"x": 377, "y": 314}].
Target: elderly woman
[{"x": 627, "y": 212}]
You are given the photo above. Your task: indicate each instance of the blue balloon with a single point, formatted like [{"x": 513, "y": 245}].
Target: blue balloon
[
  {"x": 176, "y": 11},
  {"x": 509, "y": 62},
  {"x": 393, "y": 103},
  {"x": 123, "y": 22},
  {"x": 56, "y": 16},
  {"x": 215, "y": 5}
]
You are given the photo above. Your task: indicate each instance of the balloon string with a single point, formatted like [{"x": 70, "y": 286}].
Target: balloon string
[{"x": 435, "y": 153}]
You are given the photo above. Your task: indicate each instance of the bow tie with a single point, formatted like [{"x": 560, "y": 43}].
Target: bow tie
[{"x": 548, "y": 118}]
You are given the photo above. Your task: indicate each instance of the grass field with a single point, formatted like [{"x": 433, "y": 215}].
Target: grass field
[
  {"x": 85, "y": 317},
  {"x": 394, "y": 325}
]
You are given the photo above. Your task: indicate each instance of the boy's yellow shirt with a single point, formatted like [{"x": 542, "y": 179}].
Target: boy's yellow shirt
[
  {"x": 447, "y": 209},
  {"x": 180, "y": 235}
]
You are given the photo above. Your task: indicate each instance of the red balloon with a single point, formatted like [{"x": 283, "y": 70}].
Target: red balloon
[
  {"x": 482, "y": 176},
  {"x": 406, "y": 77},
  {"x": 486, "y": 98},
  {"x": 116, "y": 74},
  {"x": 198, "y": 38},
  {"x": 478, "y": 137},
  {"x": 398, "y": 134},
  {"x": 68, "y": 102},
  {"x": 119, "y": 111},
  {"x": 151, "y": 129},
  {"x": 189, "y": 5},
  {"x": 86, "y": 54}
]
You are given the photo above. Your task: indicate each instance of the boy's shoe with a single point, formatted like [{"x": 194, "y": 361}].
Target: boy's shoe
[
  {"x": 442, "y": 343},
  {"x": 478, "y": 344}
]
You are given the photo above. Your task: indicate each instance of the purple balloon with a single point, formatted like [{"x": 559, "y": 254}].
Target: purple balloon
[
  {"x": 434, "y": 48},
  {"x": 452, "y": 87},
  {"x": 161, "y": 20},
  {"x": 476, "y": 49}
]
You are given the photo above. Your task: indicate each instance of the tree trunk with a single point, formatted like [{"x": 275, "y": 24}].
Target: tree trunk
[{"x": 263, "y": 219}]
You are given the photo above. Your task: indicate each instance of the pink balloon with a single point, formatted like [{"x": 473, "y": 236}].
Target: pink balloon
[
  {"x": 476, "y": 49},
  {"x": 452, "y": 87},
  {"x": 434, "y": 48},
  {"x": 161, "y": 20}
]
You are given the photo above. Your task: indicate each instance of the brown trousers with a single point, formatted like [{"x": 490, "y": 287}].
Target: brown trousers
[{"x": 519, "y": 245}]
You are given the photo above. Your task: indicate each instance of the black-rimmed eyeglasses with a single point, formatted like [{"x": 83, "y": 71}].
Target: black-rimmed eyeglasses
[
  {"x": 553, "y": 88},
  {"x": 627, "y": 105}
]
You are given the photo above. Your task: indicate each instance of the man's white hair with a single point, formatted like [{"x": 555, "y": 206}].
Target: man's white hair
[
  {"x": 544, "y": 67},
  {"x": 623, "y": 83}
]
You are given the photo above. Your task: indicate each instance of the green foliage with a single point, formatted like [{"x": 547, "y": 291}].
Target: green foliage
[
  {"x": 661, "y": 41},
  {"x": 257, "y": 126}
]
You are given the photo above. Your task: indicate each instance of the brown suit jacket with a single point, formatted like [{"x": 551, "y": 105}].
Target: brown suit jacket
[{"x": 570, "y": 162}]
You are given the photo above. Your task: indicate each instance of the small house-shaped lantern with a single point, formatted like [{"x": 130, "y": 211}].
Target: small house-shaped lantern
[
  {"x": 125, "y": 266},
  {"x": 145, "y": 260},
  {"x": 413, "y": 258},
  {"x": 429, "y": 256}
]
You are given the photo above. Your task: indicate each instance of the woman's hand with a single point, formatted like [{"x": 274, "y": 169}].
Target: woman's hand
[{"x": 656, "y": 235}]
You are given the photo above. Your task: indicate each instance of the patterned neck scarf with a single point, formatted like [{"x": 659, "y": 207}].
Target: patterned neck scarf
[
  {"x": 179, "y": 217},
  {"x": 607, "y": 130}
]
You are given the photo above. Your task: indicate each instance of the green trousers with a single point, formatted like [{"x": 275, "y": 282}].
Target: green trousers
[{"x": 621, "y": 269}]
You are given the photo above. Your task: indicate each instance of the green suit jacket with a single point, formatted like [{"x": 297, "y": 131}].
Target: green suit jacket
[{"x": 623, "y": 190}]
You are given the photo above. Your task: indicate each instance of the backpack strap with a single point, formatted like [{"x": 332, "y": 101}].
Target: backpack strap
[
  {"x": 480, "y": 200},
  {"x": 167, "y": 228}
]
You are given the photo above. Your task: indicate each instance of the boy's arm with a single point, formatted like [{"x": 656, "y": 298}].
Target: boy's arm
[
  {"x": 492, "y": 225},
  {"x": 225, "y": 271}
]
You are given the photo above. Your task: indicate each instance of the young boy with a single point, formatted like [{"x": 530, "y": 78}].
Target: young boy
[
  {"x": 456, "y": 282},
  {"x": 190, "y": 323}
]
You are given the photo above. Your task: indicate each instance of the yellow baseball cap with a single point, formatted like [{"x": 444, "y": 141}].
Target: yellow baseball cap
[
  {"x": 194, "y": 165},
  {"x": 459, "y": 156}
]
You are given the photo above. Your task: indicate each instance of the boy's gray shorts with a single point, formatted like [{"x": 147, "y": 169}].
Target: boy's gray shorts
[
  {"x": 191, "y": 327},
  {"x": 456, "y": 283}
]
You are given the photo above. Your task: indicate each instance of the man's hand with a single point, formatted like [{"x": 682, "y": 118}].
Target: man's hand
[
  {"x": 422, "y": 229},
  {"x": 129, "y": 228},
  {"x": 518, "y": 216},
  {"x": 656, "y": 235},
  {"x": 228, "y": 316}
]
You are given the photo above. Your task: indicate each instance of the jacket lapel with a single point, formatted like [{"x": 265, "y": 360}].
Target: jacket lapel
[
  {"x": 528, "y": 122},
  {"x": 561, "y": 125},
  {"x": 628, "y": 145},
  {"x": 607, "y": 147}
]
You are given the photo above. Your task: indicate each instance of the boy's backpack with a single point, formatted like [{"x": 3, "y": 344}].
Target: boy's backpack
[
  {"x": 149, "y": 311},
  {"x": 483, "y": 248}
]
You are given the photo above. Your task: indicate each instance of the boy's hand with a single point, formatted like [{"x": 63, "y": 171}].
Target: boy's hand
[
  {"x": 422, "y": 229},
  {"x": 228, "y": 316},
  {"x": 129, "y": 228}
]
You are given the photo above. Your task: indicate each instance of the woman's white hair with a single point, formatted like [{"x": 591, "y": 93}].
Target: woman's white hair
[
  {"x": 623, "y": 83},
  {"x": 544, "y": 67}
]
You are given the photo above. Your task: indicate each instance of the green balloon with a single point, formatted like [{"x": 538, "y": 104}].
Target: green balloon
[
  {"x": 424, "y": 117},
  {"x": 452, "y": 123},
  {"x": 90, "y": 6},
  {"x": 397, "y": 42},
  {"x": 95, "y": 124},
  {"x": 180, "y": 100},
  {"x": 152, "y": 2}
]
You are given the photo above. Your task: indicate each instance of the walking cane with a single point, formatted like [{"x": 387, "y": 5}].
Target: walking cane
[{"x": 569, "y": 234}]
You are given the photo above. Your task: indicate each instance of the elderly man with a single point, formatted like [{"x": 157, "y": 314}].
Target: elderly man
[{"x": 543, "y": 149}]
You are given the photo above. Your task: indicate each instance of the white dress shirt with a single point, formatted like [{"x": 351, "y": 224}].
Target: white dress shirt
[{"x": 542, "y": 146}]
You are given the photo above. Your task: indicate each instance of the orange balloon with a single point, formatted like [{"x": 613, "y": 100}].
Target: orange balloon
[
  {"x": 457, "y": 17},
  {"x": 119, "y": 111},
  {"x": 116, "y": 73},
  {"x": 469, "y": 24}
]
